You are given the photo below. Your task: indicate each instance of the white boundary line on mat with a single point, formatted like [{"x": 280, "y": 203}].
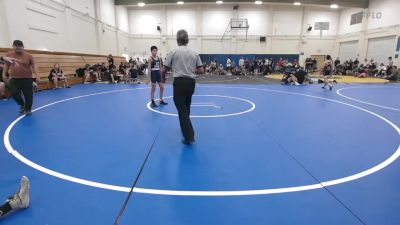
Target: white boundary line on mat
[
  {"x": 324, "y": 184},
  {"x": 339, "y": 92}
]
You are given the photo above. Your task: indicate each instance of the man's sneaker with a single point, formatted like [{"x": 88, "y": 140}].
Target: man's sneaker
[
  {"x": 153, "y": 104},
  {"x": 323, "y": 87},
  {"x": 163, "y": 103},
  {"x": 21, "y": 109},
  {"x": 28, "y": 112},
  {"x": 330, "y": 88},
  {"x": 21, "y": 199}
]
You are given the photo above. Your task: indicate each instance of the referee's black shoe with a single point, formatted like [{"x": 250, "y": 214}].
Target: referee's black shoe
[{"x": 188, "y": 142}]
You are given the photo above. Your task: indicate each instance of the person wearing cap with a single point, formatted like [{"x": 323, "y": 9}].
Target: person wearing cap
[
  {"x": 20, "y": 76},
  {"x": 185, "y": 63}
]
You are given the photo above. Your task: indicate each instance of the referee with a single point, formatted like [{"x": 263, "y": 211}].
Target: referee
[{"x": 185, "y": 63}]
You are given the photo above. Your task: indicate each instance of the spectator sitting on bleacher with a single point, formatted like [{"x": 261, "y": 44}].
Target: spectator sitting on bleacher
[
  {"x": 247, "y": 66},
  {"x": 122, "y": 68},
  {"x": 228, "y": 65},
  {"x": 213, "y": 66},
  {"x": 356, "y": 62},
  {"x": 372, "y": 68},
  {"x": 133, "y": 73},
  {"x": 236, "y": 71},
  {"x": 80, "y": 72},
  {"x": 309, "y": 65},
  {"x": 105, "y": 74},
  {"x": 389, "y": 65},
  {"x": 120, "y": 74},
  {"x": 56, "y": 75},
  {"x": 395, "y": 75},
  {"x": 381, "y": 72},
  {"x": 142, "y": 68},
  {"x": 337, "y": 62},
  {"x": 315, "y": 63},
  {"x": 91, "y": 72},
  {"x": 241, "y": 63},
  {"x": 351, "y": 64},
  {"x": 221, "y": 70},
  {"x": 272, "y": 64},
  {"x": 365, "y": 63},
  {"x": 233, "y": 64},
  {"x": 103, "y": 71},
  {"x": 164, "y": 73},
  {"x": 207, "y": 68},
  {"x": 362, "y": 69},
  {"x": 339, "y": 70},
  {"x": 114, "y": 75},
  {"x": 362, "y": 75},
  {"x": 280, "y": 65},
  {"x": 390, "y": 61},
  {"x": 255, "y": 67},
  {"x": 3, "y": 88},
  {"x": 268, "y": 69},
  {"x": 2, "y": 82}
]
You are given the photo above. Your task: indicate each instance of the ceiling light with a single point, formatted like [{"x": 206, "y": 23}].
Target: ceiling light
[
  {"x": 258, "y": 2},
  {"x": 297, "y": 3},
  {"x": 334, "y": 6},
  {"x": 180, "y": 3},
  {"x": 219, "y": 2},
  {"x": 141, "y": 4}
]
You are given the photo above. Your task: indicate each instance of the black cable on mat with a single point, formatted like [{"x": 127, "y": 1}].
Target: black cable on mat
[
  {"x": 305, "y": 169},
  {"x": 121, "y": 212}
]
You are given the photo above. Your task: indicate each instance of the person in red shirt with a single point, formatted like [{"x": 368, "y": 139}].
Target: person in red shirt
[{"x": 281, "y": 62}]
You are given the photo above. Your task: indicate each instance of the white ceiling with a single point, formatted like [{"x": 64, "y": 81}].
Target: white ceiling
[{"x": 341, "y": 3}]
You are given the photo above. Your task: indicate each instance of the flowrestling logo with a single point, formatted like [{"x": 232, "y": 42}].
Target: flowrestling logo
[{"x": 372, "y": 15}]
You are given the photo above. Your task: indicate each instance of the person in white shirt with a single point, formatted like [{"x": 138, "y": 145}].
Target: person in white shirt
[
  {"x": 390, "y": 63},
  {"x": 228, "y": 65}
]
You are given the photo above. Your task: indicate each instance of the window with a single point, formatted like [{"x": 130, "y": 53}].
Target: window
[{"x": 356, "y": 18}]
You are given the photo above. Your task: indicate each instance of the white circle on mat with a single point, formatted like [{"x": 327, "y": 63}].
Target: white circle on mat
[
  {"x": 251, "y": 108},
  {"x": 320, "y": 185},
  {"x": 339, "y": 92}
]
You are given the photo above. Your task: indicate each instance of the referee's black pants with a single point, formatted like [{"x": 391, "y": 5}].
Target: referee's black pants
[
  {"x": 183, "y": 92},
  {"x": 22, "y": 91}
]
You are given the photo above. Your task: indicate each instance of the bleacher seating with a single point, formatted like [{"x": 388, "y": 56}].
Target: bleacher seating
[{"x": 69, "y": 62}]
